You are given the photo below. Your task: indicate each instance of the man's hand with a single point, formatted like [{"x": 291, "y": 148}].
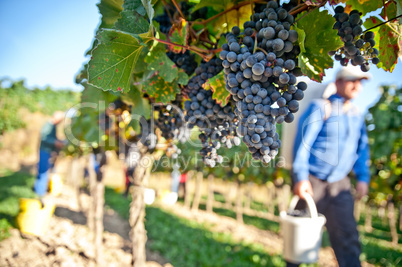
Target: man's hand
[
  {"x": 362, "y": 189},
  {"x": 59, "y": 144},
  {"x": 303, "y": 187}
]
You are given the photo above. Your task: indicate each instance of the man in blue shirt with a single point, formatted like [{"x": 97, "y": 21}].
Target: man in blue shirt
[
  {"x": 49, "y": 143},
  {"x": 331, "y": 141}
]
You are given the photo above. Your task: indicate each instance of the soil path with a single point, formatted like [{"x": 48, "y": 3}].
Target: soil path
[{"x": 68, "y": 241}]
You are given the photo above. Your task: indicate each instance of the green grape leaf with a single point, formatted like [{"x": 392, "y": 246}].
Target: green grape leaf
[
  {"x": 140, "y": 105},
  {"x": 94, "y": 96},
  {"x": 135, "y": 5},
  {"x": 389, "y": 10},
  {"x": 217, "y": 85},
  {"x": 232, "y": 18},
  {"x": 301, "y": 39},
  {"x": 399, "y": 9},
  {"x": 216, "y": 5},
  {"x": 110, "y": 11},
  {"x": 149, "y": 9},
  {"x": 132, "y": 22},
  {"x": 386, "y": 38},
  {"x": 364, "y": 6},
  {"x": 319, "y": 39},
  {"x": 157, "y": 60},
  {"x": 161, "y": 90},
  {"x": 178, "y": 34},
  {"x": 182, "y": 78},
  {"x": 141, "y": 66},
  {"x": 113, "y": 60}
]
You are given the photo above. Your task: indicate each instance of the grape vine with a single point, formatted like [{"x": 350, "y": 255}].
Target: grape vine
[{"x": 246, "y": 83}]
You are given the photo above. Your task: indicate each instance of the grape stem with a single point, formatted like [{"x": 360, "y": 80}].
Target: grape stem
[
  {"x": 205, "y": 54},
  {"x": 203, "y": 22},
  {"x": 382, "y": 23},
  {"x": 298, "y": 9},
  {"x": 322, "y": 4},
  {"x": 262, "y": 50},
  {"x": 178, "y": 8}
]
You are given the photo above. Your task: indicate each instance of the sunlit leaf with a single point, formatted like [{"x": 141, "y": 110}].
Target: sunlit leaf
[
  {"x": 110, "y": 11},
  {"x": 100, "y": 98},
  {"x": 161, "y": 90},
  {"x": 364, "y": 6},
  {"x": 319, "y": 39},
  {"x": 157, "y": 60},
  {"x": 217, "y": 85},
  {"x": 178, "y": 34},
  {"x": 182, "y": 78},
  {"x": 386, "y": 38},
  {"x": 135, "y": 5},
  {"x": 149, "y": 9},
  {"x": 132, "y": 22},
  {"x": 140, "y": 105},
  {"x": 113, "y": 60}
]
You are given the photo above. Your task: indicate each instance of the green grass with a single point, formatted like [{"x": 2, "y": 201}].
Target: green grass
[
  {"x": 13, "y": 186},
  {"x": 376, "y": 246},
  {"x": 188, "y": 243}
]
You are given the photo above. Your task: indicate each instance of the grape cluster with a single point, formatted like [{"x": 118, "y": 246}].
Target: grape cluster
[
  {"x": 171, "y": 120},
  {"x": 263, "y": 83},
  {"x": 217, "y": 124},
  {"x": 185, "y": 61},
  {"x": 358, "y": 48}
]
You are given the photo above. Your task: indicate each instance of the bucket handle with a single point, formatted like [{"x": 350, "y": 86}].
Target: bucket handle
[{"x": 310, "y": 203}]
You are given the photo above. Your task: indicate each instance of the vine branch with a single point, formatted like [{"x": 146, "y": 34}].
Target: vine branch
[
  {"x": 382, "y": 23},
  {"x": 199, "y": 51},
  {"x": 178, "y": 8},
  {"x": 311, "y": 10}
]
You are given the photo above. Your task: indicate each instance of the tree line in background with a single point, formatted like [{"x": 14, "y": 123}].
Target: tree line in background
[{"x": 16, "y": 96}]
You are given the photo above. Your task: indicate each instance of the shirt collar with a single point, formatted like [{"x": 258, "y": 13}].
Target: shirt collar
[{"x": 336, "y": 97}]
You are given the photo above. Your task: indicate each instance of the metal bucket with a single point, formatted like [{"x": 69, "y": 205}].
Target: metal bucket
[{"x": 302, "y": 235}]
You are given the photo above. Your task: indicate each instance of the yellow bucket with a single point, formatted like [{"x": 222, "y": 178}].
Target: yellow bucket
[
  {"x": 55, "y": 184},
  {"x": 33, "y": 219}
]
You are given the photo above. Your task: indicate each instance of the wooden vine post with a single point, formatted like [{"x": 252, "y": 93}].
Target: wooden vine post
[
  {"x": 210, "y": 199},
  {"x": 239, "y": 202},
  {"x": 197, "y": 194},
  {"x": 187, "y": 200},
  {"x": 369, "y": 217},
  {"x": 392, "y": 223},
  {"x": 92, "y": 186},
  {"x": 138, "y": 233},
  {"x": 270, "y": 197},
  {"x": 99, "y": 201}
]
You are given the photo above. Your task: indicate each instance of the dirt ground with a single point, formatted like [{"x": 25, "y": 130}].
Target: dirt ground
[{"x": 68, "y": 241}]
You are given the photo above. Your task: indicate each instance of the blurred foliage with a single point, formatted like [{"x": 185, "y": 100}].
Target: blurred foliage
[
  {"x": 384, "y": 124},
  {"x": 18, "y": 96}
]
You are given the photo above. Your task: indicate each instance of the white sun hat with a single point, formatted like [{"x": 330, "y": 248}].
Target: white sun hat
[{"x": 352, "y": 73}]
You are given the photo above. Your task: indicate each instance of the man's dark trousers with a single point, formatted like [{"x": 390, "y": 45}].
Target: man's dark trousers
[{"x": 336, "y": 203}]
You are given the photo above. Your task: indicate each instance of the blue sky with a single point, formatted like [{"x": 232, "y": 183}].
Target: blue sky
[{"x": 44, "y": 42}]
